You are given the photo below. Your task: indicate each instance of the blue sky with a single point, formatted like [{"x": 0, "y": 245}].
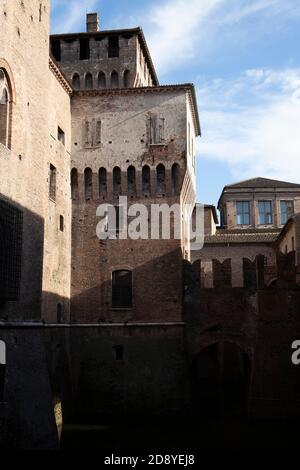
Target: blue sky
[{"x": 243, "y": 57}]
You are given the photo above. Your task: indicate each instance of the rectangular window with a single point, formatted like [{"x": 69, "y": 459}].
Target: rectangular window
[
  {"x": 113, "y": 46},
  {"x": 265, "y": 213},
  {"x": 84, "y": 49},
  {"x": 52, "y": 183},
  {"x": 60, "y": 135},
  {"x": 287, "y": 211},
  {"x": 56, "y": 50},
  {"x": 61, "y": 223},
  {"x": 122, "y": 289},
  {"x": 11, "y": 232},
  {"x": 243, "y": 212}
]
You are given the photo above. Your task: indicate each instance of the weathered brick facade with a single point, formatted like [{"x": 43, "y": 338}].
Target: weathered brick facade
[{"x": 73, "y": 136}]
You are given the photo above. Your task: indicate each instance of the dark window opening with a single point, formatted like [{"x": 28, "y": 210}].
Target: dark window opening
[
  {"x": 59, "y": 313},
  {"x": 122, "y": 289},
  {"x": 175, "y": 179},
  {"x": 61, "y": 135},
  {"x": 126, "y": 79},
  {"x": 88, "y": 81},
  {"x": 113, "y": 46},
  {"x": 119, "y": 352},
  {"x": 146, "y": 180},
  {"x": 4, "y": 115},
  {"x": 56, "y": 50},
  {"x": 84, "y": 49},
  {"x": 52, "y": 185},
  {"x": 88, "y": 183},
  {"x": 76, "y": 81},
  {"x": 131, "y": 180},
  {"x": 101, "y": 81},
  {"x": 61, "y": 223},
  {"x": 102, "y": 182},
  {"x": 11, "y": 231},
  {"x": 74, "y": 183},
  {"x": 117, "y": 181},
  {"x": 160, "y": 180},
  {"x": 114, "y": 80}
]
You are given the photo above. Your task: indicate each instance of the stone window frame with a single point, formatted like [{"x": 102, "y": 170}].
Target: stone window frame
[
  {"x": 286, "y": 200},
  {"x": 243, "y": 201},
  {"x": 4, "y": 65}
]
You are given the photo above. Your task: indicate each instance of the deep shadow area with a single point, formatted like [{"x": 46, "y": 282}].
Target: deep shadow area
[{"x": 226, "y": 434}]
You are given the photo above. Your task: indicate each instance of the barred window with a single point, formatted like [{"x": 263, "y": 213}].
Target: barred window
[{"x": 11, "y": 231}]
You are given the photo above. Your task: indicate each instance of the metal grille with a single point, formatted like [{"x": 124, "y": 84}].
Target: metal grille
[{"x": 11, "y": 231}]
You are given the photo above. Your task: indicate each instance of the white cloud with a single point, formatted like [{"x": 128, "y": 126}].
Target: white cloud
[
  {"x": 252, "y": 123},
  {"x": 174, "y": 28},
  {"x": 71, "y": 14},
  {"x": 179, "y": 31}
]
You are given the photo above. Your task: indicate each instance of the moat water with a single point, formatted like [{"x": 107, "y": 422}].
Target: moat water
[{"x": 225, "y": 434}]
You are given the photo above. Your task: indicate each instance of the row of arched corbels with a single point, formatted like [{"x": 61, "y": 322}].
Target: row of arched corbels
[{"x": 144, "y": 182}]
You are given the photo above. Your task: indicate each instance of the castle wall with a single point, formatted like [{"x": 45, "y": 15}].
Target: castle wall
[
  {"x": 125, "y": 141},
  {"x": 150, "y": 378},
  {"x": 34, "y": 123},
  {"x": 130, "y": 58},
  {"x": 234, "y": 252}
]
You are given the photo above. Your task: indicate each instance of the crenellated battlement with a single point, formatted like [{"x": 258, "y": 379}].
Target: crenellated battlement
[{"x": 256, "y": 274}]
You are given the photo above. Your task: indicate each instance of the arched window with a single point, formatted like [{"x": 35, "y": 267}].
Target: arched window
[
  {"x": 126, "y": 79},
  {"x": 117, "y": 181},
  {"x": 74, "y": 183},
  {"x": 4, "y": 109},
  {"x": 146, "y": 185},
  {"x": 102, "y": 182},
  {"x": 114, "y": 80},
  {"x": 160, "y": 180},
  {"x": 122, "y": 289},
  {"x": 2, "y": 368},
  {"x": 175, "y": 179},
  {"x": 131, "y": 180},
  {"x": 88, "y": 81},
  {"x": 76, "y": 81},
  {"x": 88, "y": 183},
  {"x": 101, "y": 81}
]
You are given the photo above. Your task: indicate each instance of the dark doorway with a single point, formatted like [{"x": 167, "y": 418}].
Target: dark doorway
[{"x": 221, "y": 375}]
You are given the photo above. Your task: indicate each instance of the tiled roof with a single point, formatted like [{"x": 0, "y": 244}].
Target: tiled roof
[
  {"x": 242, "y": 236},
  {"x": 262, "y": 183}
]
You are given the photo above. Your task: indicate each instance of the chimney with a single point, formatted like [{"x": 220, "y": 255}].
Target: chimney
[{"x": 92, "y": 22}]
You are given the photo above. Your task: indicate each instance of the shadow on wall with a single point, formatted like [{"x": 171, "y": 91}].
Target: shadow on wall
[{"x": 21, "y": 261}]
